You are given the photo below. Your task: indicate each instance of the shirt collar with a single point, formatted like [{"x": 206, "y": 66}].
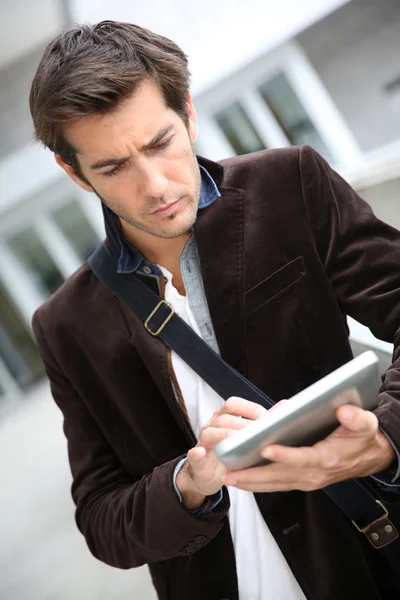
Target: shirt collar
[{"x": 129, "y": 257}]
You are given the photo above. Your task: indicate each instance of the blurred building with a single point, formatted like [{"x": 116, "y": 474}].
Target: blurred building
[{"x": 265, "y": 75}]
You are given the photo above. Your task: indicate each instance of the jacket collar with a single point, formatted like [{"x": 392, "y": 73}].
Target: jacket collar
[
  {"x": 223, "y": 271},
  {"x": 222, "y": 266},
  {"x": 129, "y": 258}
]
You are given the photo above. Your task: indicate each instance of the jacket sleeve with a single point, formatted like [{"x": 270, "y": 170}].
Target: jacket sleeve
[
  {"x": 125, "y": 523},
  {"x": 361, "y": 255}
]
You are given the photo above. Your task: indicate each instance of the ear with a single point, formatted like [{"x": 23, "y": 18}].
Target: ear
[
  {"x": 193, "y": 129},
  {"x": 71, "y": 173}
]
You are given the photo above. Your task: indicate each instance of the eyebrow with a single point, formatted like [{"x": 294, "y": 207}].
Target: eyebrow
[{"x": 109, "y": 162}]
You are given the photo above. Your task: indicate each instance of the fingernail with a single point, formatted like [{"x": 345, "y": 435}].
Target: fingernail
[
  {"x": 260, "y": 412},
  {"x": 347, "y": 412}
]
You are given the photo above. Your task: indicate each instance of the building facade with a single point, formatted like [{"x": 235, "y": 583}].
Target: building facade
[
  {"x": 265, "y": 75},
  {"x": 334, "y": 84}
]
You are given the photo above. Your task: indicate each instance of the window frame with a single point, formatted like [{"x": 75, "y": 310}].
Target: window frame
[
  {"x": 36, "y": 211},
  {"x": 243, "y": 86}
]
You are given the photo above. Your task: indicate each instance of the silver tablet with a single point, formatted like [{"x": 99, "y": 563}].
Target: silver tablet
[{"x": 308, "y": 417}]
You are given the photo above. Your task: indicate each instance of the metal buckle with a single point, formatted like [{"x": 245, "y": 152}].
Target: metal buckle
[
  {"x": 385, "y": 514},
  {"x": 381, "y": 531},
  {"x": 169, "y": 317}
]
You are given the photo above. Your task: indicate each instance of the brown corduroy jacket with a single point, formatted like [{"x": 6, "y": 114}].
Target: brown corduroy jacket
[{"x": 286, "y": 252}]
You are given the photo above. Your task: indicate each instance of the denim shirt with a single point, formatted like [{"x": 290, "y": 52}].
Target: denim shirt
[{"x": 131, "y": 260}]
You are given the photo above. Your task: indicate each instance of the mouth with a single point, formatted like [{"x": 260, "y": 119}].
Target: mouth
[{"x": 168, "y": 210}]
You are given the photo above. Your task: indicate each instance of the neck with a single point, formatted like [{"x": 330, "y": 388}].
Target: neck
[
  {"x": 160, "y": 251},
  {"x": 155, "y": 249}
]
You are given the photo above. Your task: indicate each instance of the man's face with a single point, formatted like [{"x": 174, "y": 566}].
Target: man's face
[{"x": 140, "y": 161}]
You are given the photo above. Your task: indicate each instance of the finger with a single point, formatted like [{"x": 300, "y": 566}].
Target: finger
[
  {"x": 266, "y": 474},
  {"x": 221, "y": 411},
  {"x": 217, "y": 413},
  {"x": 240, "y": 407},
  {"x": 269, "y": 478},
  {"x": 272, "y": 478},
  {"x": 267, "y": 487},
  {"x": 227, "y": 422},
  {"x": 213, "y": 435},
  {"x": 280, "y": 403},
  {"x": 357, "y": 420},
  {"x": 196, "y": 454},
  {"x": 305, "y": 457}
]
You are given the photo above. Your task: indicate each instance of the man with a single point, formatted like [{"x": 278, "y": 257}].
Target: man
[{"x": 263, "y": 256}]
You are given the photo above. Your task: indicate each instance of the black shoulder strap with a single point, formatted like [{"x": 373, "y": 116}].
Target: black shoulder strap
[
  {"x": 161, "y": 321},
  {"x": 352, "y": 496}
]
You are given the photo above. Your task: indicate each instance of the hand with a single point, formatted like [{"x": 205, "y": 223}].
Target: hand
[
  {"x": 357, "y": 448},
  {"x": 202, "y": 474}
]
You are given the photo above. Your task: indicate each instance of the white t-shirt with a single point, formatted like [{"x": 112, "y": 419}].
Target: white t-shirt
[{"x": 262, "y": 571}]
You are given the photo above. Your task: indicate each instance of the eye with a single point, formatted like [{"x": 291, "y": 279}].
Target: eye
[
  {"x": 164, "y": 144},
  {"x": 113, "y": 171}
]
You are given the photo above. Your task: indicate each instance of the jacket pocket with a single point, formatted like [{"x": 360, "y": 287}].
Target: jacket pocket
[{"x": 274, "y": 284}]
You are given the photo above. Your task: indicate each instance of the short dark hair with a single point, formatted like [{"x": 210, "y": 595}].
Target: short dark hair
[{"x": 90, "y": 69}]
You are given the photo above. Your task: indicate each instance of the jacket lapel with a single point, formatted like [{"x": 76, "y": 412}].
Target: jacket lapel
[
  {"x": 223, "y": 223},
  {"x": 154, "y": 354},
  {"x": 223, "y": 278}
]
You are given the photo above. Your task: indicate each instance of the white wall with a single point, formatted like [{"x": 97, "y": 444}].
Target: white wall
[
  {"x": 26, "y": 24},
  {"x": 25, "y": 173},
  {"x": 42, "y": 553},
  {"x": 16, "y": 127},
  {"x": 385, "y": 200},
  {"x": 356, "y": 53},
  {"x": 218, "y": 36}
]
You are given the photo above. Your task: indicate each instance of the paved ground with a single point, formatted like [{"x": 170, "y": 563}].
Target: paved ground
[{"x": 42, "y": 554}]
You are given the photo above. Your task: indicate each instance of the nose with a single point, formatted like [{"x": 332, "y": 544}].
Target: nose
[{"x": 153, "y": 183}]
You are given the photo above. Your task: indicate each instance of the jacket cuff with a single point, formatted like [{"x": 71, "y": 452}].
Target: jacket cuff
[
  {"x": 389, "y": 482},
  {"x": 175, "y": 475},
  {"x": 209, "y": 503}
]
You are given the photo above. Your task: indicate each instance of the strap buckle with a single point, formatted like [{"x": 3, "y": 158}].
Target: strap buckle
[
  {"x": 151, "y": 315},
  {"x": 380, "y": 532}
]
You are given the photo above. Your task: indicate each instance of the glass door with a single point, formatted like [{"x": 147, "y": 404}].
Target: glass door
[
  {"x": 38, "y": 253},
  {"x": 292, "y": 117},
  {"x": 38, "y": 265},
  {"x": 20, "y": 366}
]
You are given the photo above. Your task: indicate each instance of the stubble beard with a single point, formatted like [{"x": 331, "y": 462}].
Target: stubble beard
[{"x": 161, "y": 230}]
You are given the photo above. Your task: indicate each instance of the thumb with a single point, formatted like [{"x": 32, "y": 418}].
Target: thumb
[
  {"x": 196, "y": 454},
  {"x": 357, "y": 420}
]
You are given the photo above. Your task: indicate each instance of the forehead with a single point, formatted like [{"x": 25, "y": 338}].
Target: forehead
[{"x": 133, "y": 122}]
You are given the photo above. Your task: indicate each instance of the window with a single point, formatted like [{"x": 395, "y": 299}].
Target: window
[
  {"x": 41, "y": 244},
  {"x": 284, "y": 104},
  {"x": 75, "y": 226},
  {"x": 18, "y": 354},
  {"x": 238, "y": 129},
  {"x": 36, "y": 261},
  {"x": 271, "y": 102}
]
